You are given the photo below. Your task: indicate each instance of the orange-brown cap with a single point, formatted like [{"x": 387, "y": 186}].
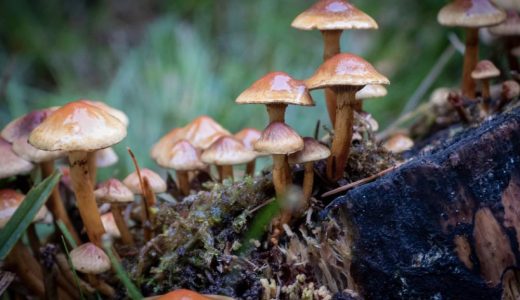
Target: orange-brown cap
[
  {"x": 276, "y": 88},
  {"x": 398, "y": 143},
  {"x": 227, "y": 151},
  {"x": 371, "y": 91},
  {"x": 485, "y": 69},
  {"x": 11, "y": 164},
  {"x": 333, "y": 15},
  {"x": 181, "y": 156},
  {"x": 279, "y": 138},
  {"x": 511, "y": 27},
  {"x": 113, "y": 191},
  {"x": 109, "y": 223},
  {"x": 183, "y": 294},
  {"x": 345, "y": 69},
  {"x": 106, "y": 157},
  {"x": 9, "y": 202},
  {"x": 22, "y": 126},
  {"x": 78, "y": 126},
  {"x": 26, "y": 151},
  {"x": 166, "y": 142},
  {"x": 312, "y": 151},
  {"x": 248, "y": 136},
  {"x": 90, "y": 259},
  {"x": 203, "y": 131},
  {"x": 156, "y": 182},
  {"x": 121, "y": 116},
  {"x": 470, "y": 13}
]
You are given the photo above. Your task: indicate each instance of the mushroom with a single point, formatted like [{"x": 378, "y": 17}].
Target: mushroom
[
  {"x": 279, "y": 140},
  {"x": 509, "y": 32},
  {"x": 370, "y": 91},
  {"x": 472, "y": 15},
  {"x": 183, "y": 158},
  {"x": 510, "y": 91},
  {"x": 109, "y": 223},
  {"x": 398, "y": 143},
  {"x": 331, "y": 17},
  {"x": 79, "y": 128},
  {"x": 166, "y": 142},
  {"x": 202, "y": 132},
  {"x": 11, "y": 163},
  {"x": 92, "y": 260},
  {"x": 183, "y": 294},
  {"x": 248, "y": 136},
  {"x": 346, "y": 74},
  {"x": 484, "y": 71},
  {"x": 118, "y": 195},
  {"x": 226, "y": 152},
  {"x": 106, "y": 157},
  {"x": 10, "y": 200},
  {"x": 312, "y": 151}
]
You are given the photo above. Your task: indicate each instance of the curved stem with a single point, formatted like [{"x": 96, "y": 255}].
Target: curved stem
[
  {"x": 227, "y": 172},
  {"x": 470, "y": 62},
  {"x": 250, "y": 168},
  {"x": 85, "y": 199},
  {"x": 276, "y": 112},
  {"x": 308, "y": 181},
  {"x": 126, "y": 236},
  {"x": 55, "y": 203},
  {"x": 148, "y": 201},
  {"x": 184, "y": 182},
  {"x": 331, "y": 41},
  {"x": 342, "y": 132}
]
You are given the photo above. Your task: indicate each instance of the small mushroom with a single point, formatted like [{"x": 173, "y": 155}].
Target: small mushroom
[
  {"x": 510, "y": 91},
  {"x": 166, "y": 142},
  {"x": 10, "y": 200},
  {"x": 331, "y": 17},
  {"x": 79, "y": 128},
  {"x": 370, "y": 91},
  {"x": 202, "y": 132},
  {"x": 118, "y": 195},
  {"x": 312, "y": 151},
  {"x": 225, "y": 153},
  {"x": 484, "y": 71},
  {"x": 89, "y": 259},
  {"x": 398, "y": 143},
  {"x": 11, "y": 163},
  {"x": 248, "y": 136},
  {"x": 183, "y": 158},
  {"x": 346, "y": 74},
  {"x": 472, "y": 15},
  {"x": 106, "y": 157},
  {"x": 110, "y": 225}
]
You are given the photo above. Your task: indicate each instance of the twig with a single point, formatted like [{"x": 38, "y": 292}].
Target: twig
[
  {"x": 360, "y": 182},
  {"x": 145, "y": 213},
  {"x": 262, "y": 205}
]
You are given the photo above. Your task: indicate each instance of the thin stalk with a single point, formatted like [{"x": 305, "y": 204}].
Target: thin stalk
[
  {"x": 308, "y": 181},
  {"x": 250, "y": 168},
  {"x": 227, "y": 172},
  {"x": 331, "y": 42},
  {"x": 279, "y": 175},
  {"x": 276, "y": 112},
  {"x": 470, "y": 62},
  {"x": 145, "y": 213},
  {"x": 92, "y": 167},
  {"x": 34, "y": 241},
  {"x": 126, "y": 236},
  {"x": 184, "y": 182},
  {"x": 486, "y": 97}
]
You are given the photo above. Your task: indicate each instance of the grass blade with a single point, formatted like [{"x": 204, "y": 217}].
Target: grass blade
[
  {"x": 25, "y": 213},
  {"x": 66, "y": 233},
  {"x": 76, "y": 278}
]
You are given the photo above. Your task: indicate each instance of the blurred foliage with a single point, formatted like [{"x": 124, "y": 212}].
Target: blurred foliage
[{"x": 165, "y": 62}]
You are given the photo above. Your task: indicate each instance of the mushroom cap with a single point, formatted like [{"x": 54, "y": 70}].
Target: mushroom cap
[
  {"x": 333, "y": 15},
  {"x": 470, "y": 13},
  {"x": 511, "y": 27},
  {"x": 345, "y": 69},
  {"x": 166, "y": 142},
  {"x": 120, "y": 115},
  {"x": 22, "y": 126},
  {"x": 279, "y": 138},
  {"x": 276, "y": 88},
  {"x": 312, "y": 151},
  {"x": 485, "y": 69},
  {"x": 203, "y": 131},
  {"x": 510, "y": 89},
  {"x": 23, "y": 149},
  {"x": 78, "y": 126},
  {"x": 156, "y": 182},
  {"x": 398, "y": 143},
  {"x": 507, "y": 4},
  {"x": 182, "y": 156},
  {"x": 110, "y": 225},
  {"x": 226, "y": 151},
  {"x": 89, "y": 259},
  {"x": 106, "y": 157},
  {"x": 11, "y": 163},
  {"x": 183, "y": 294},
  {"x": 371, "y": 91},
  {"x": 9, "y": 202},
  {"x": 248, "y": 136},
  {"x": 113, "y": 191}
]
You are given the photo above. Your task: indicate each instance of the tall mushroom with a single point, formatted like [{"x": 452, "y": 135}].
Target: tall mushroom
[
  {"x": 79, "y": 128},
  {"x": 248, "y": 136},
  {"x": 472, "y": 15},
  {"x": 484, "y": 71},
  {"x": 226, "y": 152},
  {"x": 183, "y": 158},
  {"x": 331, "y": 17},
  {"x": 346, "y": 74}
]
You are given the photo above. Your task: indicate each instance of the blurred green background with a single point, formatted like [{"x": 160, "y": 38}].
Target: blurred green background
[{"x": 166, "y": 62}]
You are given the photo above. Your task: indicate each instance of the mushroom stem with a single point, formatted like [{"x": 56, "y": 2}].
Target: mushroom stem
[
  {"x": 470, "y": 62},
  {"x": 92, "y": 167},
  {"x": 276, "y": 112},
  {"x": 126, "y": 236},
  {"x": 279, "y": 174},
  {"x": 308, "y": 181},
  {"x": 184, "y": 182},
  {"x": 227, "y": 172},
  {"x": 55, "y": 203},
  {"x": 85, "y": 199},
  {"x": 149, "y": 201},
  {"x": 219, "y": 171},
  {"x": 101, "y": 286},
  {"x": 27, "y": 268},
  {"x": 250, "y": 168},
  {"x": 342, "y": 132},
  {"x": 331, "y": 40},
  {"x": 486, "y": 96}
]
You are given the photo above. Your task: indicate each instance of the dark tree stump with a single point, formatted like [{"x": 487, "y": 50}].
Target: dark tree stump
[{"x": 445, "y": 225}]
